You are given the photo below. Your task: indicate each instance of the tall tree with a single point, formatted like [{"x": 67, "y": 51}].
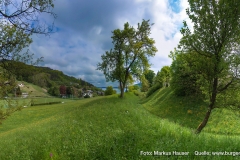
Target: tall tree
[
  {"x": 130, "y": 54},
  {"x": 19, "y": 19},
  {"x": 215, "y": 37}
]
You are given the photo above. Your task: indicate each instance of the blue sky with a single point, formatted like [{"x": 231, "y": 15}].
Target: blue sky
[{"x": 83, "y": 33}]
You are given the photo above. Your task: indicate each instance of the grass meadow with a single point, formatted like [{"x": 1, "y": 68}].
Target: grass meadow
[{"x": 112, "y": 128}]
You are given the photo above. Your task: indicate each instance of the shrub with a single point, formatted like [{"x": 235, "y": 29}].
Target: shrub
[
  {"x": 153, "y": 89},
  {"x": 133, "y": 88},
  {"x": 136, "y": 92},
  {"x": 130, "y": 88},
  {"x": 86, "y": 96},
  {"x": 109, "y": 91},
  {"x": 46, "y": 103}
]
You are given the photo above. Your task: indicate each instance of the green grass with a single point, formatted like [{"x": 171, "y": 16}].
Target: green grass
[
  {"x": 33, "y": 90},
  {"x": 103, "y": 128},
  {"x": 189, "y": 112}
]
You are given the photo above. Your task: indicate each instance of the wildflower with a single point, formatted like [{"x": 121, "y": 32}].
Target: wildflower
[{"x": 51, "y": 155}]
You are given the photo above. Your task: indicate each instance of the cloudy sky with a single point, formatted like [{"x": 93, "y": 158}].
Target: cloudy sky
[{"x": 83, "y": 33}]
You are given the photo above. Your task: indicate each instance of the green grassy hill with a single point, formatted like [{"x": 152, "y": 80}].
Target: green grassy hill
[
  {"x": 189, "y": 112},
  {"x": 107, "y": 128}
]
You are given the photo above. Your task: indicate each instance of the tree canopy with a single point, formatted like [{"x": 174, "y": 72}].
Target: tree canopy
[
  {"x": 129, "y": 58},
  {"x": 150, "y": 75},
  {"x": 163, "y": 76}
]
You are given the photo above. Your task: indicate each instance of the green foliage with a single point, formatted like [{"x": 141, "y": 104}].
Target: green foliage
[
  {"x": 164, "y": 76},
  {"x": 215, "y": 43},
  {"x": 45, "y": 103},
  {"x": 54, "y": 91},
  {"x": 150, "y": 75},
  {"x": 133, "y": 88},
  {"x": 186, "y": 78},
  {"x": 109, "y": 91},
  {"x": 13, "y": 41},
  {"x": 16, "y": 27},
  {"x": 44, "y": 76},
  {"x": 145, "y": 84},
  {"x": 153, "y": 89},
  {"x": 129, "y": 58},
  {"x": 41, "y": 79}
]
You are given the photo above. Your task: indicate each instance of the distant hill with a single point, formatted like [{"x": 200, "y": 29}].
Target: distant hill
[{"x": 45, "y": 77}]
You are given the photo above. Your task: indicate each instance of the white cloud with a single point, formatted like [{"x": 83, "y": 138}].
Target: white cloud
[
  {"x": 165, "y": 30},
  {"x": 85, "y": 33}
]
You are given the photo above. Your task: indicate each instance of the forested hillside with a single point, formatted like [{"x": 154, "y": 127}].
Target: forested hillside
[{"x": 46, "y": 77}]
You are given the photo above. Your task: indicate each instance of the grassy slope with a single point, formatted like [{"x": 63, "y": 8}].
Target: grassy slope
[
  {"x": 33, "y": 90},
  {"x": 189, "y": 112},
  {"x": 101, "y": 128}
]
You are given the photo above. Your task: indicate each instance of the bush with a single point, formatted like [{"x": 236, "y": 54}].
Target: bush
[
  {"x": 86, "y": 96},
  {"x": 136, "y": 92},
  {"x": 47, "y": 103},
  {"x": 109, "y": 91},
  {"x": 133, "y": 88},
  {"x": 153, "y": 89}
]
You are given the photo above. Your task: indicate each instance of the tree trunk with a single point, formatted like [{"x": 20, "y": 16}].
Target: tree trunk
[
  {"x": 211, "y": 106},
  {"x": 204, "y": 122},
  {"x": 122, "y": 92},
  {"x": 122, "y": 86}
]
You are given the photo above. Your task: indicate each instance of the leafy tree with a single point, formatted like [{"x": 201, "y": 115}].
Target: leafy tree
[
  {"x": 216, "y": 40},
  {"x": 54, "y": 91},
  {"x": 109, "y": 91},
  {"x": 13, "y": 40},
  {"x": 186, "y": 78},
  {"x": 163, "y": 77},
  {"x": 150, "y": 75},
  {"x": 130, "y": 54},
  {"x": 62, "y": 90},
  {"x": 19, "y": 19},
  {"x": 133, "y": 88}
]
